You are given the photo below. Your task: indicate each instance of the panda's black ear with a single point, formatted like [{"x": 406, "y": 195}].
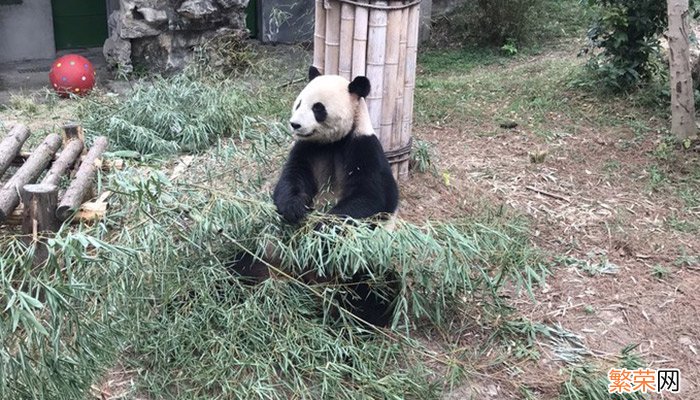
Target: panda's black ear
[
  {"x": 360, "y": 86},
  {"x": 313, "y": 72}
]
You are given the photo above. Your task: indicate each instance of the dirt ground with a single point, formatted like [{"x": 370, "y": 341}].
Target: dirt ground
[{"x": 589, "y": 207}]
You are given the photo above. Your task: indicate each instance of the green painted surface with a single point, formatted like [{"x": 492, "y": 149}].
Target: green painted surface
[
  {"x": 251, "y": 18},
  {"x": 79, "y": 23}
]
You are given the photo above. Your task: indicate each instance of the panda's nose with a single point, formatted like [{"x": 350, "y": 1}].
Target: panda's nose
[{"x": 294, "y": 125}]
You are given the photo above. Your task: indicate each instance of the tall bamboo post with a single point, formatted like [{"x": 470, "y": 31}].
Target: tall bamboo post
[
  {"x": 332, "y": 57},
  {"x": 409, "y": 82},
  {"x": 347, "y": 28},
  {"x": 359, "y": 42},
  {"x": 320, "y": 36},
  {"x": 391, "y": 70},
  {"x": 383, "y": 48},
  {"x": 376, "y": 52},
  {"x": 400, "y": 87}
]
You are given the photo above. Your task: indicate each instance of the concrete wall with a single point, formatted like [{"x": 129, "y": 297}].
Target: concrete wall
[{"x": 26, "y": 31}]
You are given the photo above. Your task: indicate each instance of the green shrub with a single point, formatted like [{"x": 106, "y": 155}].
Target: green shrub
[
  {"x": 511, "y": 23},
  {"x": 628, "y": 32}
]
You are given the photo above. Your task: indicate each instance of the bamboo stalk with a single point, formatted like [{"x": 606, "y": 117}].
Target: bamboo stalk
[
  {"x": 400, "y": 79},
  {"x": 347, "y": 28},
  {"x": 359, "y": 42},
  {"x": 332, "y": 56},
  {"x": 27, "y": 173},
  {"x": 11, "y": 145},
  {"x": 80, "y": 186},
  {"x": 376, "y": 46},
  {"x": 391, "y": 70},
  {"x": 320, "y": 35},
  {"x": 410, "y": 82}
]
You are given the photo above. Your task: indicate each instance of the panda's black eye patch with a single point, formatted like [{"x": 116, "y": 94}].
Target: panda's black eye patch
[{"x": 320, "y": 112}]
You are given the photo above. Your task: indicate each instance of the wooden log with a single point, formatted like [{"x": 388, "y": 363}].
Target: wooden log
[
  {"x": 27, "y": 173},
  {"x": 409, "y": 82},
  {"x": 71, "y": 132},
  {"x": 391, "y": 70},
  {"x": 80, "y": 187},
  {"x": 69, "y": 155},
  {"x": 376, "y": 44},
  {"x": 11, "y": 145},
  {"x": 107, "y": 165},
  {"x": 347, "y": 27},
  {"x": 39, "y": 219},
  {"x": 359, "y": 42},
  {"x": 320, "y": 36},
  {"x": 39, "y": 207},
  {"x": 332, "y": 56}
]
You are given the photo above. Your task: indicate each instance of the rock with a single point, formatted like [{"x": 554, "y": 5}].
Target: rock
[
  {"x": 117, "y": 52},
  {"x": 197, "y": 9},
  {"x": 152, "y": 15},
  {"x": 233, "y": 3}
]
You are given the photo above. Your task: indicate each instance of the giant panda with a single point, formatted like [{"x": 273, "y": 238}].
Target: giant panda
[{"x": 334, "y": 146}]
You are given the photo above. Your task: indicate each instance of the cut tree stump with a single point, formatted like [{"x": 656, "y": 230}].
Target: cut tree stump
[
  {"x": 80, "y": 186},
  {"x": 39, "y": 219},
  {"x": 11, "y": 145},
  {"x": 27, "y": 173}
]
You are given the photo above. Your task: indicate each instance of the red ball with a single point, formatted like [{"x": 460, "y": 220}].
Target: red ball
[{"x": 72, "y": 74}]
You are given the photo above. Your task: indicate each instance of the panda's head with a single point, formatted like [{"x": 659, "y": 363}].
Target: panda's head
[{"x": 324, "y": 111}]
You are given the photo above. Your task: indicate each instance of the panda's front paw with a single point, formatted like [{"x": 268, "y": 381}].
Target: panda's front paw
[{"x": 293, "y": 210}]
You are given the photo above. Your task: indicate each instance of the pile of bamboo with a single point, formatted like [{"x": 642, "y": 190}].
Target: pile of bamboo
[
  {"x": 377, "y": 39},
  {"x": 35, "y": 205}
]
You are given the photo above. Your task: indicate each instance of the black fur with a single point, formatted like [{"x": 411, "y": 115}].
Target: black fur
[
  {"x": 360, "y": 86},
  {"x": 320, "y": 112},
  {"x": 369, "y": 187},
  {"x": 313, "y": 73}
]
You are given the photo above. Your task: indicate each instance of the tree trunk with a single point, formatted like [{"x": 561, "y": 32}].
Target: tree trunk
[{"x": 682, "y": 102}]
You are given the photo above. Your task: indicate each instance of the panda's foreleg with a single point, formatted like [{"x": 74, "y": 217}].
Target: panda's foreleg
[
  {"x": 295, "y": 191},
  {"x": 369, "y": 187}
]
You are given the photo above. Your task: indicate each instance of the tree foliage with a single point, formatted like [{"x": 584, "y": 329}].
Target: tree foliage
[{"x": 628, "y": 32}]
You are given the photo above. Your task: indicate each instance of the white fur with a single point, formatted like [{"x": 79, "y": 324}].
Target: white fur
[{"x": 332, "y": 91}]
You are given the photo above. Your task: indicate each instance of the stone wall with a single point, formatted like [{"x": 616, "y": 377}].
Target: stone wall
[{"x": 163, "y": 34}]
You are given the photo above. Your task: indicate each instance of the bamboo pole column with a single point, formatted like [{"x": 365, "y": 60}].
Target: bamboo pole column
[
  {"x": 391, "y": 71},
  {"x": 359, "y": 42},
  {"x": 320, "y": 36},
  {"x": 409, "y": 82},
  {"x": 377, "y": 39},
  {"x": 347, "y": 30},
  {"x": 376, "y": 45},
  {"x": 332, "y": 56}
]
